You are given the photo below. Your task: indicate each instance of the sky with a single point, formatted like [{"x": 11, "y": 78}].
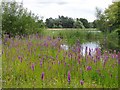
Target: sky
[{"x": 71, "y": 8}]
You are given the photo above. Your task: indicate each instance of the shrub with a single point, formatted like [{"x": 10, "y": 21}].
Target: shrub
[{"x": 18, "y": 21}]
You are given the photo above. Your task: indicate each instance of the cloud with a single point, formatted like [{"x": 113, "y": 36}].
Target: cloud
[
  {"x": 59, "y": 2},
  {"x": 70, "y": 8}
]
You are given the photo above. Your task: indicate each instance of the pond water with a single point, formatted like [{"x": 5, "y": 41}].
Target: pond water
[
  {"x": 95, "y": 31},
  {"x": 64, "y": 47},
  {"x": 90, "y": 45}
]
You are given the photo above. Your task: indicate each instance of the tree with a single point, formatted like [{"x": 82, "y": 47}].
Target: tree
[
  {"x": 49, "y": 22},
  {"x": 109, "y": 19},
  {"x": 101, "y": 21},
  {"x": 113, "y": 15},
  {"x": 67, "y": 22},
  {"x": 85, "y": 22},
  {"x": 78, "y": 24},
  {"x": 94, "y": 23},
  {"x": 18, "y": 21}
]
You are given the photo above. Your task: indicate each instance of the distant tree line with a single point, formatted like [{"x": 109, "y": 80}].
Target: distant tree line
[
  {"x": 16, "y": 20},
  {"x": 67, "y": 22}
]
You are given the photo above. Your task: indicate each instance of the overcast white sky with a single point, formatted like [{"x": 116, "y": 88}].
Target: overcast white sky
[{"x": 70, "y": 8}]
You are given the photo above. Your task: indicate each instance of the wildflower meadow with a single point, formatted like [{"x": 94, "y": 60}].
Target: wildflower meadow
[{"x": 40, "y": 62}]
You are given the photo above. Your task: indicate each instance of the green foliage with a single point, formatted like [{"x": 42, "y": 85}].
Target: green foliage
[
  {"x": 113, "y": 15},
  {"x": 78, "y": 24},
  {"x": 118, "y": 32},
  {"x": 101, "y": 22},
  {"x": 70, "y": 36},
  {"x": 24, "y": 68},
  {"x": 49, "y": 23},
  {"x": 66, "y": 22},
  {"x": 109, "y": 20},
  {"x": 85, "y": 22},
  {"x": 18, "y": 21}
]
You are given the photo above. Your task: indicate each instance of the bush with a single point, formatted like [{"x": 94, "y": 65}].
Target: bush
[{"x": 18, "y": 21}]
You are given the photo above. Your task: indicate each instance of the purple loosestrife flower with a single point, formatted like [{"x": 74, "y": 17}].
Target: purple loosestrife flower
[
  {"x": 73, "y": 50},
  {"x": 79, "y": 56},
  {"x": 59, "y": 62},
  {"x": 54, "y": 44},
  {"x": 95, "y": 60},
  {"x": 89, "y": 52},
  {"x": 57, "y": 56},
  {"x": 20, "y": 58},
  {"x": 69, "y": 55},
  {"x": 42, "y": 76},
  {"x": 45, "y": 44},
  {"x": 69, "y": 76},
  {"x": 86, "y": 50},
  {"x": 105, "y": 60},
  {"x": 64, "y": 63},
  {"x": 119, "y": 58},
  {"x": 33, "y": 66},
  {"x": 40, "y": 63},
  {"x": 116, "y": 56},
  {"x": 98, "y": 54},
  {"x": 79, "y": 49},
  {"x": 48, "y": 38},
  {"x": 113, "y": 56},
  {"x": 59, "y": 38},
  {"x": 81, "y": 82},
  {"x": 88, "y": 68}
]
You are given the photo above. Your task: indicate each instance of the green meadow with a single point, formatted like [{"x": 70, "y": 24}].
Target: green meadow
[{"x": 39, "y": 61}]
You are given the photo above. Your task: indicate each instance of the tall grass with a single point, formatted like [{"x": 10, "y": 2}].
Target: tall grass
[
  {"x": 106, "y": 41},
  {"x": 72, "y": 35},
  {"x": 40, "y": 62}
]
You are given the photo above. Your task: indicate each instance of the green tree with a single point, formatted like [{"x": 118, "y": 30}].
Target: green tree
[
  {"x": 18, "y": 21},
  {"x": 78, "y": 24},
  {"x": 109, "y": 19},
  {"x": 94, "y": 23},
  {"x": 66, "y": 22},
  {"x": 101, "y": 21},
  {"x": 85, "y": 22},
  {"x": 49, "y": 22},
  {"x": 113, "y": 15}
]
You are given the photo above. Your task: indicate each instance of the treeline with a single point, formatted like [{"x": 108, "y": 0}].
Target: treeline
[
  {"x": 67, "y": 22},
  {"x": 16, "y": 20}
]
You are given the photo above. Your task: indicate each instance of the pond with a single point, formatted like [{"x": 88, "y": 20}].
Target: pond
[
  {"x": 95, "y": 31},
  {"x": 90, "y": 45},
  {"x": 64, "y": 46}
]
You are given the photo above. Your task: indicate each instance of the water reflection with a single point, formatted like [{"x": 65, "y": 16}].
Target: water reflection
[
  {"x": 64, "y": 47},
  {"x": 90, "y": 46},
  {"x": 95, "y": 31}
]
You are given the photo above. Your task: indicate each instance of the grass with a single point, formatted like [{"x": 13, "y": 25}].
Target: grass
[
  {"x": 70, "y": 37},
  {"x": 24, "y": 61}
]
